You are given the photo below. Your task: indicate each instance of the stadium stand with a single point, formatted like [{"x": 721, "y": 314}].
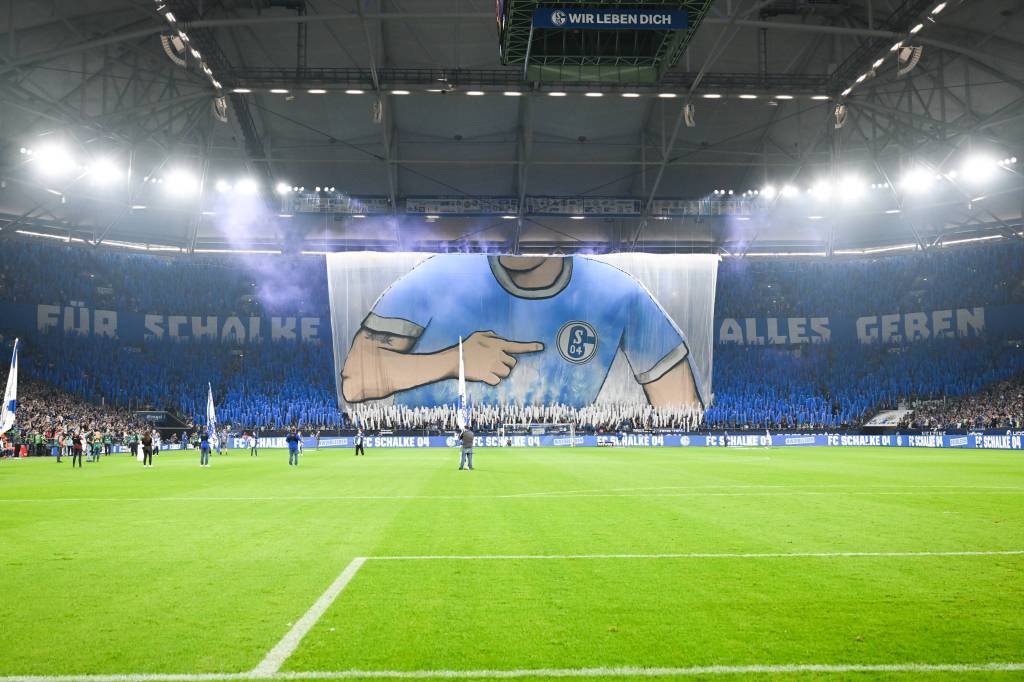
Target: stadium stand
[
  {"x": 998, "y": 406},
  {"x": 988, "y": 274},
  {"x": 289, "y": 383},
  {"x": 838, "y": 385},
  {"x": 134, "y": 282}
]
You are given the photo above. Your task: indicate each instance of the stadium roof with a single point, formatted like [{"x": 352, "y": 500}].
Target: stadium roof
[{"x": 476, "y": 157}]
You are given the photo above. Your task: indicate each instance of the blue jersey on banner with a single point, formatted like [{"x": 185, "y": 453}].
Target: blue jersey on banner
[{"x": 588, "y": 313}]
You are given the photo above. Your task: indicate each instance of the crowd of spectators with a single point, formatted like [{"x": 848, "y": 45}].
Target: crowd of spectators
[
  {"x": 278, "y": 384},
  {"x": 49, "y": 417},
  {"x": 268, "y": 384},
  {"x": 34, "y": 273},
  {"x": 997, "y": 406},
  {"x": 595, "y": 418},
  {"x": 986, "y": 274},
  {"x": 837, "y": 385}
]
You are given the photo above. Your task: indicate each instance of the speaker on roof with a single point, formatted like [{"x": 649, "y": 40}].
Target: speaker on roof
[
  {"x": 839, "y": 113},
  {"x": 908, "y": 58},
  {"x": 174, "y": 48},
  {"x": 220, "y": 108},
  {"x": 688, "y": 116}
]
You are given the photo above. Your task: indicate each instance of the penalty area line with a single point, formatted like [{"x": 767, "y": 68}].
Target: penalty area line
[
  {"x": 276, "y": 657},
  {"x": 625, "y": 671}
]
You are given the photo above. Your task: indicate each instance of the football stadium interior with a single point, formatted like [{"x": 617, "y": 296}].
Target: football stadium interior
[{"x": 460, "y": 339}]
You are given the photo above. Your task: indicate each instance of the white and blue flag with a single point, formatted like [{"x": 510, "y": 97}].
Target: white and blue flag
[
  {"x": 211, "y": 419},
  {"x": 462, "y": 414},
  {"x": 11, "y": 394}
]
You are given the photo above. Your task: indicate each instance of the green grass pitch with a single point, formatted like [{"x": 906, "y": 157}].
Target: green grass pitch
[{"x": 177, "y": 569}]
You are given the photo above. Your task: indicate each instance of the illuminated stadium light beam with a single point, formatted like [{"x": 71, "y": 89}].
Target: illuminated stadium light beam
[
  {"x": 822, "y": 190},
  {"x": 851, "y": 188},
  {"x": 247, "y": 186},
  {"x": 916, "y": 181},
  {"x": 105, "y": 172},
  {"x": 54, "y": 160},
  {"x": 789, "y": 191},
  {"x": 978, "y": 168},
  {"x": 181, "y": 182},
  {"x": 283, "y": 188},
  {"x": 223, "y": 186}
]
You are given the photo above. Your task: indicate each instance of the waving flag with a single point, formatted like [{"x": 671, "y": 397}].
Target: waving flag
[
  {"x": 11, "y": 394},
  {"x": 461, "y": 416},
  {"x": 211, "y": 419}
]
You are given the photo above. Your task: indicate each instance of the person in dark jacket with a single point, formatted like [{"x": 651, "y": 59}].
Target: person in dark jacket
[
  {"x": 147, "y": 450},
  {"x": 76, "y": 450}
]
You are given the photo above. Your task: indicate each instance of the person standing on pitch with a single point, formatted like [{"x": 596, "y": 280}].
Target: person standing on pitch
[
  {"x": 254, "y": 450},
  {"x": 359, "y": 444},
  {"x": 147, "y": 450},
  {"x": 76, "y": 450},
  {"x": 293, "y": 448},
  {"x": 204, "y": 449},
  {"x": 467, "y": 449}
]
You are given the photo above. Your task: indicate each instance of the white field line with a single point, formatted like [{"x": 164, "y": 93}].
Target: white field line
[
  {"x": 625, "y": 671},
  {"x": 660, "y": 491},
  {"x": 272, "y": 662},
  {"x": 698, "y": 555}
]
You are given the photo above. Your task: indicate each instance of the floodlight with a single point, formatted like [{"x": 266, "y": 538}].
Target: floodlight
[
  {"x": 181, "y": 182},
  {"x": 475, "y": 93},
  {"x": 354, "y": 92},
  {"x": 711, "y": 95},
  {"x": 594, "y": 94},
  {"x": 54, "y": 160},
  {"x": 822, "y": 190},
  {"x": 247, "y": 186},
  {"x": 851, "y": 187},
  {"x": 916, "y": 180},
  {"x": 976, "y": 169},
  {"x": 222, "y": 186},
  {"x": 283, "y": 188},
  {"x": 789, "y": 191},
  {"x": 104, "y": 172}
]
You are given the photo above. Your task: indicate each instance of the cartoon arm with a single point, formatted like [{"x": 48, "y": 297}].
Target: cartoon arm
[
  {"x": 380, "y": 362},
  {"x": 659, "y": 355},
  {"x": 675, "y": 388}
]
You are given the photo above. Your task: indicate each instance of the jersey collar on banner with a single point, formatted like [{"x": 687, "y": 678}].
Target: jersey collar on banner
[{"x": 556, "y": 287}]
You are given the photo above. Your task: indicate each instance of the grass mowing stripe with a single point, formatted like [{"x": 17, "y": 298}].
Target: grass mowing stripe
[
  {"x": 698, "y": 555},
  {"x": 525, "y": 496},
  {"x": 626, "y": 671},
  {"x": 283, "y": 649}
]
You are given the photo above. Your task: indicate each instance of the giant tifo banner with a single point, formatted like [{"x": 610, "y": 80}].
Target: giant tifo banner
[
  {"x": 999, "y": 320},
  {"x": 138, "y": 327},
  {"x": 541, "y": 330}
]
